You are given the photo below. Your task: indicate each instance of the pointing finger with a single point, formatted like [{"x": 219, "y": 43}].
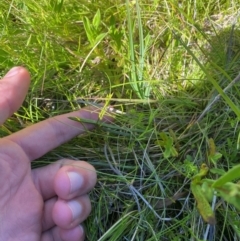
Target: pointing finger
[{"x": 40, "y": 138}]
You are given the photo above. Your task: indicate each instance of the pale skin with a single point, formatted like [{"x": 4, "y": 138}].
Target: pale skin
[{"x": 47, "y": 203}]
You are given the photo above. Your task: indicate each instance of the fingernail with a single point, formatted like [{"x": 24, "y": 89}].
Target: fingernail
[
  {"x": 76, "y": 209},
  {"x": 12, "y": 72},
  {"x": 76, "y": 181}
]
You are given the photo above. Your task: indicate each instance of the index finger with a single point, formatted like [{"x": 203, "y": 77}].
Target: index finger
[{"x": 38, "y": 139}]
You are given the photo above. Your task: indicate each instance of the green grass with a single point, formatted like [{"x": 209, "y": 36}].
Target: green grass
[{"x": 163, "y": 62}]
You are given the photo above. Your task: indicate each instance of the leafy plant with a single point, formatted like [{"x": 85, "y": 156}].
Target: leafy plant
[
  {"x": 202, "y": 200},
  {"x": 139, "y": 84},
  {"x": 166, "y": 142},
  {"x": 203, "y": 190},
  {"x": 93, "y": 29}
]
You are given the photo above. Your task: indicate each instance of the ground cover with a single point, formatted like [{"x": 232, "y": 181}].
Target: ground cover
[{"x": 169, "y": 67}]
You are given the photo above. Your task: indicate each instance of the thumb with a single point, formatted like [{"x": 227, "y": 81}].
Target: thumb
[{"x": 13, "y": 89}]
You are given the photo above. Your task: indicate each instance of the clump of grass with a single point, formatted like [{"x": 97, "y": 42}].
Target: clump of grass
[{"x": 162, "y": 63}]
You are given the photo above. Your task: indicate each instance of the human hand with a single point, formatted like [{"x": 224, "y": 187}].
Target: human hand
[{"x": 47, "y": 203}]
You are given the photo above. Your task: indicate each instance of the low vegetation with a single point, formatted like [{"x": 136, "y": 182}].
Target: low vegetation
[{"x": 169, "y": 67}]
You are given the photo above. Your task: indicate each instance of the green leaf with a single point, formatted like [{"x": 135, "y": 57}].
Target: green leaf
[
  {"x": 207, "y": 190},
  {"x": 97, "y": 19},
  {"x": 100, "y": 37},
  {"x": 217, "y": 171},
  {"x": 230, "y": 192},
  {"x": 214, "y": 158},
  {"x": 203, "y": 206},
  {"x": 89, "y": 30},
  {"x": 232, "y": 174}
]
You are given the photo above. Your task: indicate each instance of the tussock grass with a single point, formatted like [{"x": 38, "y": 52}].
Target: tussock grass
[{"x": 163, "y": 62}]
